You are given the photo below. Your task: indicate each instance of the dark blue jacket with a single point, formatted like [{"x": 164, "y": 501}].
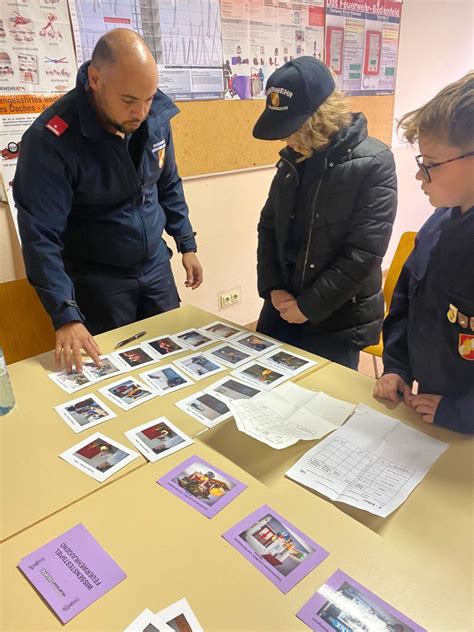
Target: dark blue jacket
[
  {"x": 420, "y": 342},
  {"x": 89, "y": 200}
]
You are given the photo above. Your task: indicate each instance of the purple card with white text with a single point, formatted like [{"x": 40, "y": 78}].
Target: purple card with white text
[
  {"x": 71, "y": 572},
  {"x": 344, "y": 604},
  {"x": 275, "y": 547},
  {"x": 201, "y": 485}
]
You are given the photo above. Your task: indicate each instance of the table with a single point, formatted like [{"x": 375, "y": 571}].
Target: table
[
  {"x": 35, "y": 481},
  {"x": 419, "y": 559}
]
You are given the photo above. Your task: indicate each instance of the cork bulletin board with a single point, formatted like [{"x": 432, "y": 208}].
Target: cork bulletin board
[{"x": 216, "y": 136}]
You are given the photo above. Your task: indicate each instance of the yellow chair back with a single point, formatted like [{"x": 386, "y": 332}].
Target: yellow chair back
[{"x": 404, "y": 248}]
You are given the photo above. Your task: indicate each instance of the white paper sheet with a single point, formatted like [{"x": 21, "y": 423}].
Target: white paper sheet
[
  {"x": 289, "y": 413},
  {"x": 373, "y": 462}
]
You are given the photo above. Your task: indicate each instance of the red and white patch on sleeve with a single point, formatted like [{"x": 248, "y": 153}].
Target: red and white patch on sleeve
[{"x": 57, "y": 125}]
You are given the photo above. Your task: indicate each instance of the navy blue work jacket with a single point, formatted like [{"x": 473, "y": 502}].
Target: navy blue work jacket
[
  {"x": 429, "y": 332},
  {"x": 92, "y": 201}
]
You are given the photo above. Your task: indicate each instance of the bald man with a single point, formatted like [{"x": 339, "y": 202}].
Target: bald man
[{"x": 95, "y": 187}]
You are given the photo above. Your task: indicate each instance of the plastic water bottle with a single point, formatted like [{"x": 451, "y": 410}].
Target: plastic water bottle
[{"x": 7, "y": 399}]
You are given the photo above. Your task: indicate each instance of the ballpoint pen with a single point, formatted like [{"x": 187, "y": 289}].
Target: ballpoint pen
[{"x": 127, "y": 340}]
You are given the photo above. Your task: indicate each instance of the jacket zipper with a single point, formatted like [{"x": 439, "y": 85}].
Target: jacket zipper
[
  {"x": 131, "y": 167},
  {"x": 145, "y": 238},
  {"x": 142, "y": 190},
  {"x": 313, "y": 213}
]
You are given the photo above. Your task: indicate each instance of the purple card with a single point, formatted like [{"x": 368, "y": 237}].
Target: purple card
[
  {"x": 71, "y": 572},
  {"x": 201, "y": 485},
  {"x": 344, "y": 604},
  {"x": 275, "y": 547}
]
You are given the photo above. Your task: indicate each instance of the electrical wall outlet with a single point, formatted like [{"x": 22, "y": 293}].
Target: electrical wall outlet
[
  {"x": 235, "y": 296},
  {"x": 227, "y": 298}
]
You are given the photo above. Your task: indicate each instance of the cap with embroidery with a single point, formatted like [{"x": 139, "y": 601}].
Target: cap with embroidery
[{"x": 294, "y": 92}]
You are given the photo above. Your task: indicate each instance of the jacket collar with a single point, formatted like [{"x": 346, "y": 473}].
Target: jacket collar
[
  {"x": 345, "y": 140},
  {"x": 348, "y": 138},
  {"x": 161, "y": 111}
]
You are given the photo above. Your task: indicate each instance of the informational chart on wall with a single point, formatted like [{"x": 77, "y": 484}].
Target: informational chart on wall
[
  {"x": 36, "y": 47},
  {"x": 211, "y": 49},
  {"x": 361, "y": 44},
  {"x": 185, "y": 37},
  {"x": 259, "y": 36},
  {"x": 92, "y": 18}
]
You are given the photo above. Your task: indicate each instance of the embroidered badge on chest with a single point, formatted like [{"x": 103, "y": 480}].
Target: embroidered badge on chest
[
  {"x": 159, "y": 149},
  {"x": 466, "y": 346},
  {"x": 161, "y": 157}
]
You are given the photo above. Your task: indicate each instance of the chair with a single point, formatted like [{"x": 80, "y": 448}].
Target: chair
[
  {"x": 25, "y": 327},
  {"x": 404, "y": 248}
]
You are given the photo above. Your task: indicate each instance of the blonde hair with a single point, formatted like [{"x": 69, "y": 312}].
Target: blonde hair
[
  {"x": 316, "y": 132},
  {"x": 449, "y": 116}
]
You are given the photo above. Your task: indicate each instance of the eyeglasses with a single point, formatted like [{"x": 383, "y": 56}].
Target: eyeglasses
[{"x": 425, "y": 169}]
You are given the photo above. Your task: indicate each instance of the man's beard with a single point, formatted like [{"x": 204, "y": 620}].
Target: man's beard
[{"x": 124, "y": 128}]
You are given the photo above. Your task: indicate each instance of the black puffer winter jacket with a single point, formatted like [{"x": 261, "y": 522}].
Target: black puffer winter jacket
[{"x": 349, "y": 212}]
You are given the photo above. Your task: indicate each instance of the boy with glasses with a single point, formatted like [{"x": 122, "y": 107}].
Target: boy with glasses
[{"x": 429, "y": 332}]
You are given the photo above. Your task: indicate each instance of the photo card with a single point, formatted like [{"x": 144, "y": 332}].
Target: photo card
[
  {"x": 229, "y": 388},
  {"x": 128, "y": 392},
  {"x": 343, "y": 604},
  {"x": 135, "y": 357},
  {"x": 147, "y": 621},
  {"x": 194, "y": 338},
  {"x": 230, "y": 355},
  {"x": 158, "y": 438},
  {"x": 99, "y": 457},
  {"x": 71, "y": 381},
  {"x": 256, "y": 343},
  {"x": 206, "y": 408},
  {"x": 275, "y": 547},
  {"x": 166, "y": 379},
  {"x": 260, "y": 374},
  {"x": 287, "y": 361},
  {"x": 199, "y": 365},
  {"x": 201, "y": 485},
  {"x": 110, "y": 366},
  {"x": 164, "y": 346},
  {"x": 222, "y": 331},
  {"x": 180, "y": 617},
  {"x": 84, "y": 412}
]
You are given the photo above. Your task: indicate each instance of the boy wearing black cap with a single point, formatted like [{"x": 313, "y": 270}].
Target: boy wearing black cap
[{"x": 328, "y": 218}]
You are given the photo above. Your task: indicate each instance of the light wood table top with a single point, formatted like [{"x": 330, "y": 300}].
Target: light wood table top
[
  {"x": 170, "y": 551},
  {"x": 35, "y": 481},
  {"x": 419, "y": 559}
]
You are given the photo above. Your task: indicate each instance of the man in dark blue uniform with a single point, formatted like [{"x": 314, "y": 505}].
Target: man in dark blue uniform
[{"x": 95, "y": 187}]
